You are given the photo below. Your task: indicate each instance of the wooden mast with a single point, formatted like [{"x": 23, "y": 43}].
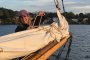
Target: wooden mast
[{"x": 63, "y": 6}]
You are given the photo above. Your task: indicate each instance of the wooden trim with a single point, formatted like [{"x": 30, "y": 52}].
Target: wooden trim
[{"x": 47, "y": 51}]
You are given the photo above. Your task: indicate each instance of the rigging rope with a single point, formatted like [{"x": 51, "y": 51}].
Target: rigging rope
[
  {"x": 69, "y": 47},
  {"x": 68, "y": 51},
  {"x": 63, "y": 6},
  {"x": 40, "y": 20},
  {"x": 35, "y": 21},
  {"x": 60, "y": 52}
]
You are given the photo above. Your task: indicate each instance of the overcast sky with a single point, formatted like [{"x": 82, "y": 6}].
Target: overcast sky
[{"x": 76, "y": 6}]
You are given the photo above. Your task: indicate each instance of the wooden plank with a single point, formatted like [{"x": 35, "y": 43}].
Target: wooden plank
[
  {"x": 47, "y": 51},
  {"x": 36, "y": 55},
  {"x": 53, "y": 49}
]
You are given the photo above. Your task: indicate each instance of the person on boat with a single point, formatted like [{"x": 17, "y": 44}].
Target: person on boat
[
  {"x": 39, "y": 19},
  {"x": 24, "y": 21}
]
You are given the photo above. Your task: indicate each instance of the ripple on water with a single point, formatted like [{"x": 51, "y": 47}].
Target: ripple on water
[{"x": 87, "y": 57}]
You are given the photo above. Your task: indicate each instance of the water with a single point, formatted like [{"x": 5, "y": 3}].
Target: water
[
  {"x": 7, "y": 29},
  {"x": 81, "y": 42},
  {"x": 80, "y": 49}
]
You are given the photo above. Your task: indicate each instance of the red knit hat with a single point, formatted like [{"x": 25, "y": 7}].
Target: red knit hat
[{"x": 23, "y": 13}]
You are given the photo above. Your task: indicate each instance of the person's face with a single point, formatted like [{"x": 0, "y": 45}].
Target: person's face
[{"x": 24, "y": 18}]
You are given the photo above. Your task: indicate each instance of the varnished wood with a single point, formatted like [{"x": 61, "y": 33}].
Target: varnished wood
[{"x": 46, "y": 51}]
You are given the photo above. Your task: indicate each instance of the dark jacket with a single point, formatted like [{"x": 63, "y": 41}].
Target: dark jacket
[{"x": 21, "y": 28}]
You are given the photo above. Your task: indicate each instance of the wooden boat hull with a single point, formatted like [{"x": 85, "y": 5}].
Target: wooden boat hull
[{"x": 47, "y": 51}]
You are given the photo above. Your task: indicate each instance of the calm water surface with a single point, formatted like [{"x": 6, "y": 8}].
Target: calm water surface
[{"x": 80, "y": 49}]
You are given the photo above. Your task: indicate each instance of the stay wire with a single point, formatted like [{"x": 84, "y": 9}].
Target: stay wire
[{"x": 69, "y": 47}]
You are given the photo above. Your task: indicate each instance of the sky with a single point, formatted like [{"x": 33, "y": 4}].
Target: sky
[{"x": 76, "y": 6}]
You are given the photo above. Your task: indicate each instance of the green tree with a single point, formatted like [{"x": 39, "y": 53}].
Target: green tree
[{"x": 81, "y": 16}]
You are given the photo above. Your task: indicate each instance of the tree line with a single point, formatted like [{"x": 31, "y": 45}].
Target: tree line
[{"x": 8, "y": 16}]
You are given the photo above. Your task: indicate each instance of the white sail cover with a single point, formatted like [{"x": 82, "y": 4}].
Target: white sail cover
[
  {"x": 63, "y": 27},
  {"x": 25, "y": 42}
]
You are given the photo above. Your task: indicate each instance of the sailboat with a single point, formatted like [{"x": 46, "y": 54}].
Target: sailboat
[{"x": 26, "y": 42}]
